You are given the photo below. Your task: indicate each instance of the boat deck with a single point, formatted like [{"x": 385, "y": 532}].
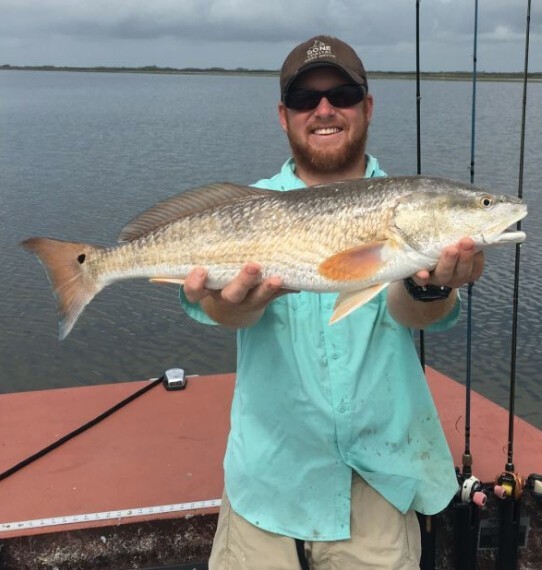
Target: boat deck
[
  {"x": 164, "y": 449},
  {"x": 160, "y": 457}
]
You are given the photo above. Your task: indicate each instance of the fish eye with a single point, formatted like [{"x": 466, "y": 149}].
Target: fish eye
[{"x": 486, "y": 201}]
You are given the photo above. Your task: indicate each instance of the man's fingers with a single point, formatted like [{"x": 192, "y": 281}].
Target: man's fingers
[
  {"x": 458, "y": 265},
  {"x": 267, "y": 291},
  {"x": 474, "y": 268},
  {"x": 194, "y": 285},
  {"x": 246, "y": 288},
  {"x": 249, "y": 277},
  {"x": 443, "y": 272},
  {"x": 470, "y": 263},
  {"x": 446, "y": 266},
  {"x": 467, "y": 267}
]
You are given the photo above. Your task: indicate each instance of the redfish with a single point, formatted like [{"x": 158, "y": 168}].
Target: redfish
[{"x": 352, "y": 237}]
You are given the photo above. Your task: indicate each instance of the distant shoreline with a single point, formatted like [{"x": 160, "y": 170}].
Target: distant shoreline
[{"x": 427, "y": 75}]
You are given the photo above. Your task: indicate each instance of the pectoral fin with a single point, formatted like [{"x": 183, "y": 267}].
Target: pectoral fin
[
  {"x": 167, "y": 280},
  {"x": 355, "y": 264},
  {"x": 351, "y": 300}
]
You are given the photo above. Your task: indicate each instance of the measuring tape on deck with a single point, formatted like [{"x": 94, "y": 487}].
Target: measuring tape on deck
[{"x": 110, "y": 515}]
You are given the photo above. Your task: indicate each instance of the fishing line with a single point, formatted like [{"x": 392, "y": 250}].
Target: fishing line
[
  {"x": 470, "y": 496},
  {"x": 419, "y": 141},
  {"x": 467, "y": 459},
  {"x": 510, "y": 462},
  {"x": 512, "y": 483},
  {"x": 427, "y": 528},
  {"x": 418, "y": 94}
]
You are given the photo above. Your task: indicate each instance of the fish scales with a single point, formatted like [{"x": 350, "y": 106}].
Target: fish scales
[
  {"x": 351, "y": 237},
  {"x": 282, "y": 232}
]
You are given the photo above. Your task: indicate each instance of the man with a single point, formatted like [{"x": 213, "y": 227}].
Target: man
[{"x": 335, "y": 440}]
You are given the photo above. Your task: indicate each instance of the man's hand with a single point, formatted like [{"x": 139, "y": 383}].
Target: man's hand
[
  {"x": 241, "y": 302},
  {"x": 458, "y": 265}
]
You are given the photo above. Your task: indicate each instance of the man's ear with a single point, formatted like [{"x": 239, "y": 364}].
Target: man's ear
[
  {"x": 368, "y": 105},
  {"x": 283, "y": 116}
]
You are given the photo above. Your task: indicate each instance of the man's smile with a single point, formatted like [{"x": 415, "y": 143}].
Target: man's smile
[{"x": 327, "y": 131}]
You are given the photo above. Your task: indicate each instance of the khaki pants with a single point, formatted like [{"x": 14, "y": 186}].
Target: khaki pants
[{"x": 382, "y": 539}]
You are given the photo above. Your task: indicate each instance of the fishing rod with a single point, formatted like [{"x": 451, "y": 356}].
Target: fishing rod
[
  {"x": 418, "y": 94},
  {"x": 427, "y": 524},
  {"x": 471, "y": 497},
  {"x": 509, "y": 484},
  {"x": 419, "y": 140}
]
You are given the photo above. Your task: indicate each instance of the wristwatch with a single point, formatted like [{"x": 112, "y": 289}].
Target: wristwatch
[{"x": 426, "y": 293}]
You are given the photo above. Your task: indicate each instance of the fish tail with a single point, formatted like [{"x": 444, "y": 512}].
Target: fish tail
[{"x": 73, "y": 285}]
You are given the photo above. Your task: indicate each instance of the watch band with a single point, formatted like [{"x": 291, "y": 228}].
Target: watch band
[{"x": 426, "y": 293}]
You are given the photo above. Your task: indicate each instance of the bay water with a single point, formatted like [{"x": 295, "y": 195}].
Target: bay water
[{"x": 83, "y": 153}]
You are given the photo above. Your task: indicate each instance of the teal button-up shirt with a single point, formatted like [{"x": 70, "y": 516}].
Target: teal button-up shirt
[{"x": 313, "y": 402}]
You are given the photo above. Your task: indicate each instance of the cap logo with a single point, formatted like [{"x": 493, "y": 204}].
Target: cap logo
[{"x": 319, "y": 49}]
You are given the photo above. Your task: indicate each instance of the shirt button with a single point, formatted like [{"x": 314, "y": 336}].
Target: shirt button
[
  {"x": 342, "y": 408},
  {"x": 334, "y": 356}
]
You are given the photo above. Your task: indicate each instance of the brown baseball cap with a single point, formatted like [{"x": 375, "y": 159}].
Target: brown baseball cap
[{"x": 322, "y": 51}]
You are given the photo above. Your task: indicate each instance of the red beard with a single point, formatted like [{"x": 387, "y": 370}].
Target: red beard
[{"x": 325, "y": 161}]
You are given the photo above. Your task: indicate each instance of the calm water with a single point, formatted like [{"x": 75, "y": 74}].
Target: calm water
[{"x": 81, "y": 154}]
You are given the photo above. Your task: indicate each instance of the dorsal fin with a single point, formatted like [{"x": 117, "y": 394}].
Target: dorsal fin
[{"x": 186, "y": 203}]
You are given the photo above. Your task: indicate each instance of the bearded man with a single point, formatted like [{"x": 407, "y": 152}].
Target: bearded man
[{"x": 335, "y": 442}]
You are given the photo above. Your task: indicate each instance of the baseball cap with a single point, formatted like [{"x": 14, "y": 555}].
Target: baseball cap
[{"x": 322, "y": 51}]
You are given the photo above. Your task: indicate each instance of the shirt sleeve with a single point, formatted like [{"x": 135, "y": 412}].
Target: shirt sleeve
[{"x": 194, "y": 310}]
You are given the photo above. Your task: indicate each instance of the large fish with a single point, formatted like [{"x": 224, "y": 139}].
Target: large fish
[{"x": 352, "y": 237}]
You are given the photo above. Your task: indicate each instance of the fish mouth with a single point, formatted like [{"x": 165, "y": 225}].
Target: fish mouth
[
  {"x": 508, "y": 236},
  {"x": 502, "y": 234}
]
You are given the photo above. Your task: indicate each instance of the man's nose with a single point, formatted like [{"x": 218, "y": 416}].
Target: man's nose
[{"x": 325, "y": 108}]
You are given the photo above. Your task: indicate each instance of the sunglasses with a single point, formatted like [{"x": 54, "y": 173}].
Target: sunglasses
[{"x": 307, "y": 99}]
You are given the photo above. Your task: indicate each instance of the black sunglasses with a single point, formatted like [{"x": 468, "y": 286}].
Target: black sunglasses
[{"x": 342, "y": 97}]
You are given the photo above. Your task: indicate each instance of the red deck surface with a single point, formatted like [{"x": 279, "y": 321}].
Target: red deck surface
[
  {"x": 167, "y": 447},
  {"x": 163, "y": 448},
  {"x": 489, "y": 431}
]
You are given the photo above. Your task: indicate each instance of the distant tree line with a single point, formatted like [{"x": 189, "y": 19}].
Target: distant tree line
[
  {"x": 143, "y": 69},
  {"x": 443, "y": 75}
]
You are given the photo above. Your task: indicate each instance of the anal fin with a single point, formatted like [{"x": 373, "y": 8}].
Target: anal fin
[
  {"x": 168, "y": 280},
  {"x": 352, "y": 300}
]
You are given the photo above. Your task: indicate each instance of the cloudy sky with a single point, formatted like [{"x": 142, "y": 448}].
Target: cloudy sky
[{"x": 259, "y": 33}]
